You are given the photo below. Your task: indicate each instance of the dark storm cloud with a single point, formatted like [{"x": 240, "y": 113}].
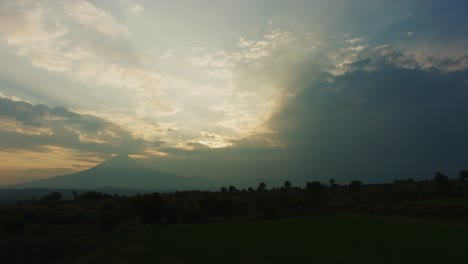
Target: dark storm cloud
[
  {"x": 43, "y": 125},
  {"x": 396, "y": 120}
]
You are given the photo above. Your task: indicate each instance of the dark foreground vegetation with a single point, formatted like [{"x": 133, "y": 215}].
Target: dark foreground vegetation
[
  {"x": 404, "y": 222},
  {"x": 313, "y": 239}
]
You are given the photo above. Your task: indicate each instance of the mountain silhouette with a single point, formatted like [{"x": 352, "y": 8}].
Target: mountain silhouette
[
  {"x": 119, "y": 161},
  {"x": 120, "y": 172}
]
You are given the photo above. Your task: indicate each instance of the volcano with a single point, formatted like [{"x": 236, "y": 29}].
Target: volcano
[{"x": 120, "y": 172}]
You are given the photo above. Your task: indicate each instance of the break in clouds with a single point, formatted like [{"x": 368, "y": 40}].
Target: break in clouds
[{"x": 276, "y": 98}]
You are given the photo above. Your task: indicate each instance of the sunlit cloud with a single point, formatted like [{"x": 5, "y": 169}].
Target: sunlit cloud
[
  {"x": 94, "y": 18},
  {"x": 136, "y": 8},
  {"x": 123, "y": 76},
  {"x": 43, "y": 162}
]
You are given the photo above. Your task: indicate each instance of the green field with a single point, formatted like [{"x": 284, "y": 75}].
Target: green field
[
  {"x": 317, "y": 239},
  {"x": 458, "y": 201}
]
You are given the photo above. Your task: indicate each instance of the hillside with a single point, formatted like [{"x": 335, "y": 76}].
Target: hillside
[{"x": 120, "y": 172}]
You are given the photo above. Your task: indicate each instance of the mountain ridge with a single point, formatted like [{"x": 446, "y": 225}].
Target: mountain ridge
[{"x": 120, "y": 172}]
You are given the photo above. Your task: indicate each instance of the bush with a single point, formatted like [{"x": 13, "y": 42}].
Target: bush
[
  {"x": 194, "y": 217},
  {"x": 270, "y": 213},
  {"x": 107, "y": 221},
  {"x": 13, "y": 226}
]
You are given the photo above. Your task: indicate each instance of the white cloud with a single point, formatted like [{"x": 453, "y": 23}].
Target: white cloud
[
  {"x": 38, "y": 34},
  {"x": 232, "y": 91},
  {"x": 13, "y": 98},
  {"x": 252, "y": 76},
  {"x": 357, "y": 48},
  {"x": 23, "y": 23},
  {"x": 94, "y": 18},
  {"x": 213, "y": 140},
  {"x": 18, "y": 127},
  {"x": 249, "y": 50},
  {"x": 136, "y": 8},
  {"x": 355, "y": 40},
  {"x": 168, "y": 54},
  {"x": 138, "y": 127}
]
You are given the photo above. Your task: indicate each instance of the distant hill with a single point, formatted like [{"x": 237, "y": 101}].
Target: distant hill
[
  {"x": 31, "y": 193},
  {"x": 120, "y": 172}
]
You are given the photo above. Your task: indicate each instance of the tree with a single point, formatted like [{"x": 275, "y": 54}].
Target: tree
[
  {"x": 314, "y": 187},
  {"x": 262, "y": 187},
  {"x": 315, "y": 193},
  {"x": 287, "y": 185},
  {"x": 223, "y": 189},
  {"x": 463, "y": 176},
  {"x": 151, "y": 208},
  {"x": 52, "y": 199},
  {"x": 93, "y": 196},
  {"x": 356, "y": 186},
  {"x": 250, "y": 189},
  {"x": 232, "y": 189},
  {"x": 442, "y": 181},
  {"x": 332, "y": 183}
]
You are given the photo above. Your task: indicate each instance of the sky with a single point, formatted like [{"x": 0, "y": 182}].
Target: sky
[{"x": 235, "y": 90}]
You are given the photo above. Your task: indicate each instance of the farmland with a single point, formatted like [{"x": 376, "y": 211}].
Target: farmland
[{"x": 333, "y": 238}]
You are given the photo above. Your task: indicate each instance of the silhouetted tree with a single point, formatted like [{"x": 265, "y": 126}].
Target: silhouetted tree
[
  {"x": 250, "y": 189},
  {"x": 356, "y": 186},
  {"x": 93, "y": 196},
  {"x": 314, "y": 186},
  {"x": 287, "y": 185},
  {"x": 315, "y": 193},
  {"x": 223, "y": 189},
  {"x": 151, "y": 208},
  {"x": 404, "y": 182},
  {"x": 52, "y": 199},
  {"x": 223, "y": 207},
  {"x": 232, "y": 189},
  {"x": 262, "y": 187},
  {"x": 442, "y": 181},
  {"x": 270, "y": 213},
  {"x": 332, "y": 183},
  {"x": 463, "y": 176}
]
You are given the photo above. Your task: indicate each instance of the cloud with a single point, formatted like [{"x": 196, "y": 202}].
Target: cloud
[
  {"x": 387, "y": 117},
  {"x": 355, "y": 40},
  {"x": 137, "y": 127},
  {"x": 251, "y": 76},
  {"x": 26, "y": 126},
  {"x": 26, "y": 23},
  {"x": 50, "y": 36},
  {"x": 94, "y": 18},
  {"x": 136, "y": 8},
  {"x": 213, "y": 140},
  {"x": 44, "y": 161}
]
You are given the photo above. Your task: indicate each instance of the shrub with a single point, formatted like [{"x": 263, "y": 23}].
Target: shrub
[{"x": 14, "y": 226}]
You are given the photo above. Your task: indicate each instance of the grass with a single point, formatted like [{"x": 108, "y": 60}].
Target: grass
[
  {"x": 462, "y": 201},
  {"x": 317, "y": 239}
]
